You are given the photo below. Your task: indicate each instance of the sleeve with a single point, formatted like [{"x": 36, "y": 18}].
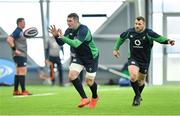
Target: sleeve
[
  {"x": 83, "y": 34},
  {"x": 158, "y": 38},
  {"x": 120, "y": 40},
  {"x": 59, "y": 41},
  {"x": 74, "y": 43},
  {"x": 16, "y": 34}
]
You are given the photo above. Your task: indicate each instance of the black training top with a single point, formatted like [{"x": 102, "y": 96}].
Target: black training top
[{"x": 140, "y": 44}]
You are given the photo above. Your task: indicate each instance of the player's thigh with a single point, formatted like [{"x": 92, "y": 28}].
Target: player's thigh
[
  {"x": 76, "y": 65},
  {"x": 21, "y": 63},
  {"x": 21, "y": 70},
  {"x": 74, "y": 70},
  {"x": 143, "y": 72},
  {"x": 91, "y": 69},
  {"x": 90, "y": 76},
  {"x": 133, "y": 71},
  {"x": 141, "y": 78}
]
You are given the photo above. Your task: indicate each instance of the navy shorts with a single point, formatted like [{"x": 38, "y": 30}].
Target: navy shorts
[
  {"x": 90, "y": 65},
  {"x": 20, "y": 61},
  {"x": 143, "y": 67}
]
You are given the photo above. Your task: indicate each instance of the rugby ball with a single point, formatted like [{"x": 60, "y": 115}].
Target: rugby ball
[{"x": 30, "y": 32}]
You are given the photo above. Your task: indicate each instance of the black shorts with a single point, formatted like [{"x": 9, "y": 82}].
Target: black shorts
[
  {"x": 90, "y": 65},
  {"x": 143, "y": 67},
  {"x": 20, "y": 61},
  {"x": 55, "y": 59}
]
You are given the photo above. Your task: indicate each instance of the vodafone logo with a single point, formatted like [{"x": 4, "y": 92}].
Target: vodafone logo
[{"x": 137, "y": 42}]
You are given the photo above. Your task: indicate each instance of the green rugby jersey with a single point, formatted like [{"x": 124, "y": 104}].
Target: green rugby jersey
[
  {"x": 81, "y": 42},
  {"x": 140, "y": 44}
]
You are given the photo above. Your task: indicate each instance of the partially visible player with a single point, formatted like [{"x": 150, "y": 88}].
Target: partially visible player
[
  {"x": 18, "y": 44},
  {"x": 141, "y": 42},
  {"x": 52, "y": 54},
  {"x": 79, "y": 37}
]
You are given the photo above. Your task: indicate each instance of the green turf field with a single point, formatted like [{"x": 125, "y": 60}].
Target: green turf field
[{"x": 114, "y": 100}]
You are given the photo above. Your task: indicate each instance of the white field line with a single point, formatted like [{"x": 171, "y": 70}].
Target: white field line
[
  {"x": 49, "y": 94},
  {"x": 35, "y": 95}
]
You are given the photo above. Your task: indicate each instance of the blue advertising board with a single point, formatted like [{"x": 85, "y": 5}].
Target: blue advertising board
[{"x": 7, "y": 72}]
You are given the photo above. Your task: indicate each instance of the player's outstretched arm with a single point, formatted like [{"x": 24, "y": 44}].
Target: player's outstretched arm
[{"x": 118, "y": 43}]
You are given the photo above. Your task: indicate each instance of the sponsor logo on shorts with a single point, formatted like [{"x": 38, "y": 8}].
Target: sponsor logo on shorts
[
  {"x": 70, "y": 34},
  {"x": 74, "y": 60},
  {"x": 145, "y": 71},
  {"x": 90, "y": 69},
  {"x": 133, "y": 62}
]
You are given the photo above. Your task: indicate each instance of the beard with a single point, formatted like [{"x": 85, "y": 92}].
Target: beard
[{"x": 137, "y": 29}]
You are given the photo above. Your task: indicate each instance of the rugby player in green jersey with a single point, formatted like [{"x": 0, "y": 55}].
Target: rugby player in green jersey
[
  {"x": 140, "y": 43},
  {"x": 79, "y": 37}
]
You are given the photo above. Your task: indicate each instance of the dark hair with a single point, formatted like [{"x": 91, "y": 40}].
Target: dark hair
[
  {"x": 19, "y": 20},
  {"x": 140, "y": 18},
  {"x": 74, "y": 16}
]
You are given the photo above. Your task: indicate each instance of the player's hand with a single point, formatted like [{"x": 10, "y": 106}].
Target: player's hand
[
  {"x": 60, "y": 33},
  {"x": 17, "y": 53},
  {"x": 54, "y": 31},
  {"x": 172, "y": 42},
  {"x": 116, "y": 53}
]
